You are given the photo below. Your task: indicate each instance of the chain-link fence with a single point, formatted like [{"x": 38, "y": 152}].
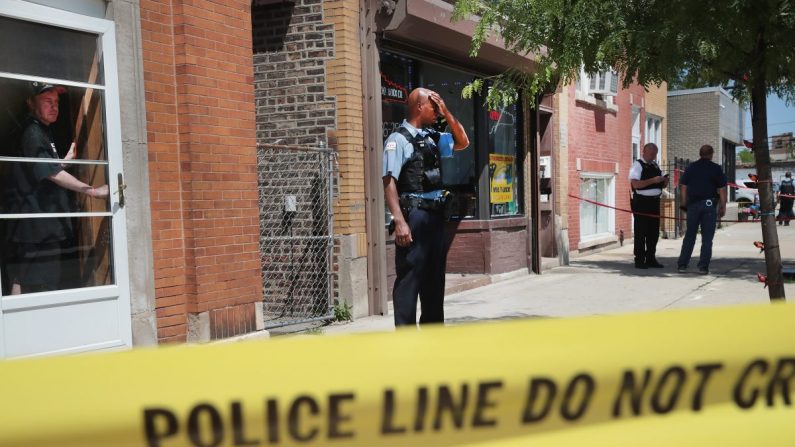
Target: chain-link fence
[
  {"x": 296, "y": 233},
  {"x": 671, "y": 202}
]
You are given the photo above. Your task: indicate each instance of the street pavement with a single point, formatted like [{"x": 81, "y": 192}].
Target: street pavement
[{"x": 608, "y": 283}]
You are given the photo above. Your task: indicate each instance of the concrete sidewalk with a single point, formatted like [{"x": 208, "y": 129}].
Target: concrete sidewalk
[{"x": 608, "y": 283}]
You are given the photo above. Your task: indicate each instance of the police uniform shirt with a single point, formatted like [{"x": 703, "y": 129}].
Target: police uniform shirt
[
  {"x": 635, "y": 173},
  {"x": 397, "y": 150},
  {"x": 35, "y": 193},
  {"x": 703, "y": 178}
]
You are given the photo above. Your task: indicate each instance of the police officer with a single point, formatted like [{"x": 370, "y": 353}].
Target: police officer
[
  {"x": 703, "y": 193},
  {"x": 414, "y": 195},
  {"x": 786, "y": 194},
  {"x": 647, "y": 183}
]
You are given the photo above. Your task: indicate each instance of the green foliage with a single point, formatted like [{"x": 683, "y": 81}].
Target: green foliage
[
  {"x": 746, "y": 156},
  {"x": 731, "y": 43},
  {"x": 343, "y": 311}
]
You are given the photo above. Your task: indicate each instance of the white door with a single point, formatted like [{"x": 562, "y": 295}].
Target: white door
[{"x": 62, "y": 249}]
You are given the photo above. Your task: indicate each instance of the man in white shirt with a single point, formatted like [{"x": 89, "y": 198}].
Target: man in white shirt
[{"x": 647, "y": 183}]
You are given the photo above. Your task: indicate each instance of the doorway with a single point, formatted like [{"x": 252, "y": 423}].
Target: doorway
[{"x": 63, "y": 262}]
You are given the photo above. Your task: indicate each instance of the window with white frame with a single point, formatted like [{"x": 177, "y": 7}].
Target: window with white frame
[
  {"x": 653, "y": 130},
  {"x": 596, "y": 221},
  {"x": 635, "y": 133}
]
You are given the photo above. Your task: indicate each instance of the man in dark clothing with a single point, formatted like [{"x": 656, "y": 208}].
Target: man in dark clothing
[
  {"x": 647, "y": 183},
  {"x": 703, "y": 193},
  {"x": 413, "y": 192},
  {"x": 40, "y": 187},
  {"x": 786, "y": 195}
]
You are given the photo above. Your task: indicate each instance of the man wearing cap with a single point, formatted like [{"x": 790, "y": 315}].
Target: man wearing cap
[
  {"x": 40, "y": 187},
  {"x": 786, "y": 193}
]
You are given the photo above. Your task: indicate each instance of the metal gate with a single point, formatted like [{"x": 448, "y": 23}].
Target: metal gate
[
  {"x": 674, "y": 228},
  {"x": 296, "y": 187}
]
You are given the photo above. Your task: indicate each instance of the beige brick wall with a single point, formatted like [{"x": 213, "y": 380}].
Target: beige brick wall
[
  {"x": 657, "y": 104},
  {"x": 344, "y": 82},
  {"x": 694, "y": 120}
]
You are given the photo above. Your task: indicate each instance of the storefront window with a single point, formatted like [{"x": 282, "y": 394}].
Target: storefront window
[
  {"x": 504, "y": 174},
  {"x": 54, "y": 234},
  {"x": 493, "y": 143}
]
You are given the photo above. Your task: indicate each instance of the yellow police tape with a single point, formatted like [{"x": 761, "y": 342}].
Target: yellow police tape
[{"x": 716, "y": 377}]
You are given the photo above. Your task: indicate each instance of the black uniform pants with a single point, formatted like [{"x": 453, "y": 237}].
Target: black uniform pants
[
  {"x": 785, "y": 214},
  {"x": 647, "y": 228},
  {"x": 420, "y": 270}
]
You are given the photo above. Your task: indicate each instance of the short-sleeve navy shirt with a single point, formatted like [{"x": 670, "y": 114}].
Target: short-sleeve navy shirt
[
  {"x": 703, "y": 178},
  {"x": 35, "y": 192}
]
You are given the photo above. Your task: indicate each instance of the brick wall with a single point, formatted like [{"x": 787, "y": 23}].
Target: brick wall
[
  {"x": 505, "y": 250},
  {"x": 292, "y": 47},
  {"x": 202, "y": 161},
  {"x": 602, "y": 140},
  {"x": 344, "y": 82},
  {"x": 693, "y": 120},
  {"x": 657, "y": 105},
  {"x": 309, "y": 88},
  {"x": 308, "y": 81},
  {"x": 467, "y": 250}
]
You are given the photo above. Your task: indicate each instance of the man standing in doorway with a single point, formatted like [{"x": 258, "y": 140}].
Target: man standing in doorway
[
  {"x": 40, "y": 187},
  {"x": 414, "y": 194},
  {"x": 647, "y": 183},
  {"x": 703, "y": 193}
]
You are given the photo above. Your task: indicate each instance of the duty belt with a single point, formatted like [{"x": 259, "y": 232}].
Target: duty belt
[{"x": 410, "y": 201}]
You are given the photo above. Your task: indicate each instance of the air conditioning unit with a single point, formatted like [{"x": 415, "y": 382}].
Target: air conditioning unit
[{"x": 604, "y": 83}]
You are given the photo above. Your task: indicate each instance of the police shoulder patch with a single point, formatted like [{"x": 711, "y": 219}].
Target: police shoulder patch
[{"x": 390, "y": 146}]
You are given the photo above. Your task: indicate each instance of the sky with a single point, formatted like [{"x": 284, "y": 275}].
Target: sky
[{"x": 780, "y": 118}]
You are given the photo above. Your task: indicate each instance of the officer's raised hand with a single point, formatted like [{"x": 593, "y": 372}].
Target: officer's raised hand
[
  {"x": 438, "y": 103},
  {"x": 460, "y": 139}
]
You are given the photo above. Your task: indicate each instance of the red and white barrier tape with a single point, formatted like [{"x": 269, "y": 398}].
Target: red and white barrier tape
[{"x": 659, "y": 216}]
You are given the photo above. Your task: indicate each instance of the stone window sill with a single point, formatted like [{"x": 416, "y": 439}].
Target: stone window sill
[
  {"x": 598, "y": 240},
  {"x": 592, "y": 100}
]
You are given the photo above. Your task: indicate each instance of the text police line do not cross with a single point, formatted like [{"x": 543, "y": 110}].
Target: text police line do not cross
[{"x": 313, "y": 419}]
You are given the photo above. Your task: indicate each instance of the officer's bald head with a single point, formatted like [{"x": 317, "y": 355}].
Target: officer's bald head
[
  {"x": 417, "y": 98},
  {"x": 423, "y": 111}
]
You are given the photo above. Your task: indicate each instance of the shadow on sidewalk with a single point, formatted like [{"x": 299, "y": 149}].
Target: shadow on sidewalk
[
  {"x": 735, "y": 268},
  {"x": 512, "y": 316}
]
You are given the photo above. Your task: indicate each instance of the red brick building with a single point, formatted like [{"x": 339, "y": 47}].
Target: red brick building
[{"x": 603, "y": 135}]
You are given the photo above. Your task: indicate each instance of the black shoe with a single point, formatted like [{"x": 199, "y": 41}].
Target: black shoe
[
  {"x": 654, "y": 264},
  {"x": 640, "y": 265},
  {"x": 703, "y": 271},
  {"x": 681, "y": 269}
]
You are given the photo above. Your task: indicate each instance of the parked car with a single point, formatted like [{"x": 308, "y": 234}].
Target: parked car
[{"x": 748, "y": 195}]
